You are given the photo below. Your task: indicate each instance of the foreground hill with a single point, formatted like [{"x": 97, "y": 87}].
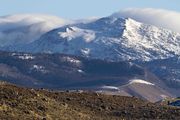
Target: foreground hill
[{"x": 23, "y": 103}]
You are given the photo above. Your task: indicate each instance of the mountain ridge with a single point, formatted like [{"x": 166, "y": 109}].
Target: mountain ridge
[
  {"x": 65, "y": 72},
  {"x": 109, "y": 38}
]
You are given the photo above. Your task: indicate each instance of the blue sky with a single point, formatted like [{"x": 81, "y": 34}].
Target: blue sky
[{"x": 75, "y": 9}]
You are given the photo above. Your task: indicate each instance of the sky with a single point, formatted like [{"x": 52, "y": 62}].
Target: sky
[{"x": 76, "y": 9}]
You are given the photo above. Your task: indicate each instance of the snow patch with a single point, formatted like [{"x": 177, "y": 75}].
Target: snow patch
[
  {"x": 39, "y": 68},
  {"x": 80, "y": 71},
  {"x": 23, "y": 56},
  {"x": 85, "y": 51},
  {"x": 75, "y": 32},
  {"x": 72, "y": 60},
  {"x": 110, "y": 87},
  {"x": 139, "y": 81},
  {"x": 26, "y": 57}
]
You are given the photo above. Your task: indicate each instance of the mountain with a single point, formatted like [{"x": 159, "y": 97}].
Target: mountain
[
  {"x": 22, "y": 103},
  {"x": 114, "y": 39},
  {"x": 109, "y": 38},
  {"x": 25, "y": 28},
  {"x": 65, "y": 72}
]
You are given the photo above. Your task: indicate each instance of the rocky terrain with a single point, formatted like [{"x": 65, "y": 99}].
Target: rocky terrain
[{"x": 22, "y": 103}]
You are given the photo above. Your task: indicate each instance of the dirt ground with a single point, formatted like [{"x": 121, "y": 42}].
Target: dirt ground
[{"x": 17, "y": 103}]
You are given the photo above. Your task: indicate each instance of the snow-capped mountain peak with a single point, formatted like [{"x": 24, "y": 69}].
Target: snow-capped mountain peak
[{"x": 110, "y": 38}]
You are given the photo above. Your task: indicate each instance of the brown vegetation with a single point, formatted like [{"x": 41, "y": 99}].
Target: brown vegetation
[{"x": 22, "y": 103}]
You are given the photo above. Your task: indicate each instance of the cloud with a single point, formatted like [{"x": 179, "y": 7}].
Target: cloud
[
  {"x": 25, "y": 28},
  {"x": 158, "y": 17}
]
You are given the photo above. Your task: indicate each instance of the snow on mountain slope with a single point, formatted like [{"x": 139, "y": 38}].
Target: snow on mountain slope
[
  {"x": 110, "y": 38},
  {"x": 139, "y": 81},
  {"x": 25, "y": 28},
  {"x": 138, "y": 87}
]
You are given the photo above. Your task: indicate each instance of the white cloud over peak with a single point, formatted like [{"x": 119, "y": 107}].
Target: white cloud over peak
[
  {"x": 158, "y": 17},
  {"x": 24, "y": 28},
  {"x": 28, "y": 19}
]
